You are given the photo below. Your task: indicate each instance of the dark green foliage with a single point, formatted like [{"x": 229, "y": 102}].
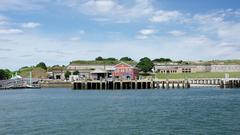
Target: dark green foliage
[
  {"x": 180, "y": 62},
  {"x": 76, "y": 72},
  {"x": 145, "y": 65},
  {"x": 126, "y": 59},
  {"x": 111, "y": 59},
  {"x": 183, "y": 62},
  {"x": 105, "y": 59},
  {"x": 99, "y": 58},
  {"x": 162, "y": 60},
  {"x": 5, "y": 74},
  {"x": 42, "y": 65},
  {"x": 67, "y": 74}
]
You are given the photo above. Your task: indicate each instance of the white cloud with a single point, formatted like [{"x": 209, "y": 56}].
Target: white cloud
[
  {"x": 113, "y": 10},
  {"x": 10, "y": 31},
  {"x": 19, "y": 5},
  {"x": 165, "y": 16},
  {"x": 177, "y": 33},
  {"x": 30, "y": 25},
  {"x": 101, "y": 6},
  {"x": 229, "y": 32},
  {"x": 218, "y": 25},
  {"x": 148, "y": 31}
]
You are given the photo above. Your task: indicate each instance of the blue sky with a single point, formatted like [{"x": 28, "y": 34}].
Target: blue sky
[{"x": 59, "y": 31}]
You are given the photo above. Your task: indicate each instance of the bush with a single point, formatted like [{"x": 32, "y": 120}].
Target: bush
[
  {"x": 42, "y": 65},
  {"x": 5, "y": 74},
  {"x": 67, "y": 74}
]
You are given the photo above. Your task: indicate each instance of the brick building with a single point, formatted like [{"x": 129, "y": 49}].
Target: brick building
[{"x": 125, "y": 71}]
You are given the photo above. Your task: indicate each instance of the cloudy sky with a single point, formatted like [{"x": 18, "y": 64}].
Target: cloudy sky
[{"x": 59, "y": 31}]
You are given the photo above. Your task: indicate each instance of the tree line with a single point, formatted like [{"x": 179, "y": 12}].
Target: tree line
[{"x": 113, "y": 59}]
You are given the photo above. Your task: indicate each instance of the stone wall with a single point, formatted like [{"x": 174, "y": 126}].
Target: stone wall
[{"x": 225, "y": 68}]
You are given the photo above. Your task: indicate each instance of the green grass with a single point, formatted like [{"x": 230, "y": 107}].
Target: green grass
[
  {"x": 36, "y": 72},
  {"x": 197, "y": 75}
]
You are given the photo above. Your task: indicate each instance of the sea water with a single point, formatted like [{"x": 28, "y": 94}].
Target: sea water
[{"x": 120, "y": 112}]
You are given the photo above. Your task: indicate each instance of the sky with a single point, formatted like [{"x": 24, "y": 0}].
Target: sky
[{"x": 59, "y": 31}]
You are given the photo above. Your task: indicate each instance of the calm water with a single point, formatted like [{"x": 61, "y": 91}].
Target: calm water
[{"x": 148, "y": 112}]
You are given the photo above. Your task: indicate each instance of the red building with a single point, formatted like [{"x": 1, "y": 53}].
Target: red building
[{"x": 125, "y": 71}]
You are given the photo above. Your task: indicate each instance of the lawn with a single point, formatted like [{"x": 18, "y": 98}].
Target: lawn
[
  {"x": 197, "y": 75},
  {"x": 36, "y": 72}
]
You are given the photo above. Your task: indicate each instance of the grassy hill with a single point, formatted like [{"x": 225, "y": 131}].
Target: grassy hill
[{"x": 36, "y": 72}]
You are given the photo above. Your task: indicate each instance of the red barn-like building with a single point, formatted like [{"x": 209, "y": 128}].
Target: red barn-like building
[{"x": 125, "y": 71}]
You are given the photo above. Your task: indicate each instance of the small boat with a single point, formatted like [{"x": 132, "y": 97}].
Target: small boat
[{"x": 18, "y": 82}]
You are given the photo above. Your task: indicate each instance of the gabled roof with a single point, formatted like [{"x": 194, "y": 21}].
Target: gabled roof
[{"x": 124, "y": 64}]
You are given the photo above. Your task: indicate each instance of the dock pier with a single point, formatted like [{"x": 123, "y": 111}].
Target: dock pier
[
  {"x": 216, "y": 82},
  {"x": 156, "y": 84},
  {"x": 129, "y": 84}
]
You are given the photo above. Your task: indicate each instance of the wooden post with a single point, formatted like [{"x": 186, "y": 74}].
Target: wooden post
[
  {"x": 163, "y": 84},
  {"x": 151, "y": 84},
  {"x": 101, "y": 85},
  {"x": 136, "y": 85},
  {"x": 167, "y": 84},
  {"x": 178, "y": 86},
  {"x": 113, "y": 85},
  {"x": 121, "y": 85},
  {"x": 74, "y": 86},
  {"x": 222, "y": 84}
]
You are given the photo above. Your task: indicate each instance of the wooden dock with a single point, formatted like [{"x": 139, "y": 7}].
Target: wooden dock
[
  {"x": 156, "y": 84},
  {"x": 216, "y": 82},
  {"x": 130, "y": 84}
]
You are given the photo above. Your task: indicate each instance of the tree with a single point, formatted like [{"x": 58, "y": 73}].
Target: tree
[
  {"x": 76, "y": 72},
  {"x": 67, "y": 74},
  {"x": 126, "y": 59},
  {"x": 162, "y": 60},
  {"x": 145, "y": 65},
  {"x": 5, "y": 74},
  {"x": 99, "y": 58},
  {"x": 111, "y": 59},
  {"x": 42, "y": 65},
  {"x": 105, "y": 59}
]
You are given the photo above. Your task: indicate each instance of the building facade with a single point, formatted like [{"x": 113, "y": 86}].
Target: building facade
[
  {"x": 175, "y": 69},
  {"x": 161, "y": 68},
  {"x": 225, "y": 68},
  {"x": 125, "y": 71},
  {"x": 104, "y": 72},
  {"x": 90, "y": 71}
]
